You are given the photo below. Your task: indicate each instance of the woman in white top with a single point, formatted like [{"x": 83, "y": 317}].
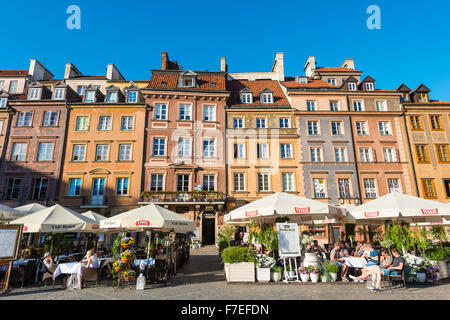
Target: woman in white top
[{"x": 90, "y": 261}]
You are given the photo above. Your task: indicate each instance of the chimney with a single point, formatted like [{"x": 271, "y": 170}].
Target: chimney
[
  {"x": 112, "y": 73},
  {"x": 38, "y": 72},
  {"x": 349, "y": 64},
  {"x": 71, "y": 71},
  {"x": 278, "y": 66},
  {"x": 223, "y": 64},
  {"x": 310, "y": 66},
  {"x": 164, "y": 61}
]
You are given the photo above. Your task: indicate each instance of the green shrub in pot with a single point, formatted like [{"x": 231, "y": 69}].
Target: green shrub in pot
[
  {"x": 238, "y": 254},
  {"x": 276, "y": 269}
]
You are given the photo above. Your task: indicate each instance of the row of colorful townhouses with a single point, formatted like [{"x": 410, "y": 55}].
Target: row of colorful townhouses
[{"x": 202, "y": 143}]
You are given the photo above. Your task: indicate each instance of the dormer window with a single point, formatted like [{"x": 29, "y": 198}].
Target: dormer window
[
  {"x": 187, "y": 79},
  {"x": 58, "y": 94},
  {"x": 188, "y": 82},
  {"x": 35, "y": 94},
  {"x": 424, "y": 97},
  {"x": 352, "y": 86},
  {"x": 332, "y": 81},
  {"x": 111, "y": 96},
  {"x": 3, "y": 102},
  {"x": 246, "y": 97},
  {"x": 404, "y": 97},
  {"x": 370, "y": 86},
  {"x": 89, "y": 96},
  {"x": 132, "y": 96},
  {"x": 267, "y": 97}
]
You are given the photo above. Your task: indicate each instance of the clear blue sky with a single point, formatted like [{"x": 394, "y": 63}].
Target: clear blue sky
[{"x": 412, "y": 46}]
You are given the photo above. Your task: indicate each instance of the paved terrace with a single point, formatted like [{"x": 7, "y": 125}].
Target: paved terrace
[{"x": 203, "y": 279}]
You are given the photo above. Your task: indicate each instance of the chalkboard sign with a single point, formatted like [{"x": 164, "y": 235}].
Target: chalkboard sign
[
  {"x": 9, "y": 241},
  {"x": 288, "y": 240}
]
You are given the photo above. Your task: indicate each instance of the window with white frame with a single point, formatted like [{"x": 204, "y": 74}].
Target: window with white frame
[
  {"x": 261, "y": 123},
  {"x": 339, "y": 153},
  {"x": 50, "y": 119},
  {"x": 262, "y": 151},
  {"x": 122, "y": 186},
  {"x": 185, "y": 112},
  {"x": 246, "y": 98},
  {"x": 358, "y": 105},
  {"x": 3, "y": 102},
  {"x": 1, "y": 127},
  {"x": 24, "y": 119},
  {"x": 182, "y": 182},
  {"x": 74, "y": 187},
  {"x": 159, "y": 145},
  {"x": 284, "y": 123},
  {"x": 19, "y": 151},
  {"x": 334, "y": 105},
  {"x": 370, "y": 86},
  {"x": 78, "y": 152},
  {"x": 267, "y": 97},
  {"x": 365, "y": 154},
  {"x": 239, "y": 150},
  {"x": 239, "y": 181},
  {"x": 13, "y": 86},
  {"x": 39, "y": 189},
  {"x": 361, "y": 128},
  {"x": 286, "y": 150},
  {"x": 344, "y": 188},
  {"x": 316, "y": 155},
  {"x": 352, "y": 86},
  {"x": 89, "y": 96},
  {"x": 126, "y": 123},
  {"x": 385, "y": 128},
  {"x": 12, "y": 189},
  {"x": 381, "y": 106},
  {"x": 184, "y": 147},
  {"x": 310, "y": 105},
  {"x": 263, "y": 182},
  {"x": 238, "y": 123},
  {"x": 104, "y": 123},
  {"x": 209, "y": 150},
  {"x": 393, "y": 185},
  {"x": 58, "y": 93},
  {"x": 208, "y": 182},
  {"x": 370, "y": 191},
  {"x": 313, "y": 128},
  {"x": 336, "y": 128},
  {"x": 156, "y": 182},
  {"x": 101, "y": 152},
  {"x": 288, "y": 181},
  {"x": 45, "y": 151},
  {"x": 331, "y": 81},
  {"x": 160, "y": 111},
  {"x": 209, "y": 113},
  {"x": 125, "y": 152},
  {"x": 81, "y": 90},
  {"x": 82, "y": 123},
  {"x": 111, "y": 96},
  {"x": 319, "y": 188},
  {"x": 390, "y": 154},
  {"x": 132, "y": 96},
  {"x": 2, "y": 84}
]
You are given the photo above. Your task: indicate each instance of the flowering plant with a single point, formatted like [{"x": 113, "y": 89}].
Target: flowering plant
[
  {"x": 313, "y": 269},
  {"x": 306, "y": 239},
  {"x": 118, "y": 266},
  {"x": 129, "y": 274},
  {"x": 265, "y": 261},
  {"x": 430, "y": 267},
  {"x": 127, "y": 242},
  {"x": 303, "y": 270},
  {"x": 126, "y": 254}
]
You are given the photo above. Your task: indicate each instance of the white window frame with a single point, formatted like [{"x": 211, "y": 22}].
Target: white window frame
[
  {"x": 360, "y": 107},
  {"x": 246, "y": 98},
  {"x": 160, "y": 111},
  {"x": 23, "y": 121},
  {"x": 104, "y": 123},
  {"x": 122, "y": 191},
  {"x": 156, "y": 184},
  {"x": 263, "y": 179},
  {"x": 102, "y": 149},
  {"x": 340, "y": 128},
  {"x": 311, "y": 105},
  {"x": 209, "y": 148},
  {"x": 3, "y": 102},
  {"x": 370, "y": 86},
  {"x": 390, "y": 154},
  {"x": 238, "y": 121},
  {"x": 260, "y": 121},
  {"x": 352, "y": 86},
  {"x": 393, "y": 188},
  {"x": 132, "y": 96},
  {"x": 316, "y": 155},
  {"x": 286, "y": 149},
  {"x": 239, "y": 177},
  {"x": 262, "y": 151},
  {"x": 319, "y": 194},
  {"x": 366, "y": 154},
  {"x": 285, "y": 123},
  {"x": 89, "y": 96},
  {"x": 340, "y": 156},
  {"x": 385, "y": 128},
  {"x": 13, "y": 85},
  {"x": 111, "y": 96},
  {"x": 45, "y": 152},
  {"x": 126, "y": 123},
  {"x": 48, "y": 117},
  {"x": 362, "y": 129},
  {"x": 85, "y": 126},
  {"x": 19, "y": 151},
  {"x": 184, "y": 147},
  {"x": 332, "y": 81},
  {"x": 58, "y": 93},
  {"x": 77, "y": 187},
  {"x": 334, "y": 105},
  {"x": 267, "y": 97},
  {"x": 156, "y": 147},
  {"x": 125, "y": 152},
  {"x": 209, "y": 115},
  {"x": 240, "y": 150},
  {"x": 287, "y": 180},
  {"x": 383, "y": 104},
  {"x": 185, "y": 116},
  {"x": 79, "y": 151},
  {"x": 370, "y": 191}
]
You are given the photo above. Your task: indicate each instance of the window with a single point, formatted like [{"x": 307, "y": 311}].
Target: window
[
  {"x": 239, "y": 151},
  {"x": 246, "y": 98},
  {"x": 132, "y": 96},
  {"x": 159, "y": 145},
  {"x": 239, "y": 181},
  {"x": 209, "y": 113},
  {"x": 82, "y": 124},
  {"x": 334, "y": 105},
  {"x": 288, "y": 181},
  {"x": 404, "y": 97},
  {"x": 184, "y": 147},
  {"x": 424, "y": 97},
  {"x": 24, "y": 119},
  {"x": 1, "y": 126},
  {"x": 370, "y": 190},
  {"x": 370, "y": 86},
  {"x": 358, "y": 105},
  {"x": 3, "y": 102},
  {"x": 344, "y": 188},
  {"x": 261, "y": 123},
  {"x": 365, "y": 155},
  {"x": 315, "y": 154},
  {"x": 208, "y": 182},
  {"x": 126, "y": 123},
  {"x": 361, "y": 128},
  {"x": 332, "y": 81},
  {"x": 286, "y": 150},
  {"x": 19, "y": 151},
  {"x": 122, "y": 186},
  {"x": 39, "y": 190},
  {"x": 390, "y": 154},
  {"x": 319, "y": 188},
  {"x": 156, "y": 182},
  {"x": 188, "y": 82},
  {"x": 393, "y": 185},
  {"x": 336, "y": 128},
  {"x": 339, "y": 153},
  {"x": 429, "y": 191},
  {"x": 182, "y": 182},
  {"x": 50, "y": 119},
  {"x": 124, "y": 152},
  {"x": 101, "y": 154},
  {"x": 13, "y": 86},
  {"x": 74, "y": 187},
  {"x": 12, "y": 189},
  {"x": 436, "y": 123},
  {"x": 79, "y": 152},
  {"x": 311, "y": 105},
  {"x": 447, "y": 187},
  {"x": 422, "y": 153},
  {"x": 160, "y": 111},
  {"x": 81, "y": 90},
  {"x": 238, "y": 123},
  {"x": 45, "y": 152},
  {"x": 58, "y": 94},
  {"x": 185, "y": 112},
  {"x": 89, "y": 96},
  {"x": 267, "y": 98},
  {"x": 313, "y": 128},
  {"x": 352, "y": 86},
  {"x": 284, "y": 123},
  {"x": 416, "y": 122},
  {"x": 2, "y": 84},
  {"x": 385, "y": 128},
  {"x": 209, "y": 148},
  {"x": 34, "y": 93},
  {"x": 262, "y": 151},
  {"x": 263, "y": 182},
  {"x": 111, "y": 96},
  {"x": 381, "y": 106},
  {"x": 104, "y": 123},
  {"x": 442, "y": 152}
]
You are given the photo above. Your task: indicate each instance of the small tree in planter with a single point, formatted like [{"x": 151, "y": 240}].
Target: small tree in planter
[
  {"x": 239, "y": 264},
  {"x": 227, "y": 232}
]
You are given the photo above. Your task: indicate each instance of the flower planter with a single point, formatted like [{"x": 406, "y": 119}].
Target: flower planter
[
  {"x": 275, "y": 276},
  {"x": 310, "y": 259},
  {"x": 324, "y": 278},
  {"x": 304, "y": 277},
  {"x": 262, "y": 274},
  {"x": 421, "y": 276},
  {"x": 314, "y": 277},
  {"x": 443, "y": 270},
  {"x": 240, "y": 272},
  {"x": 333, "y": 276}
]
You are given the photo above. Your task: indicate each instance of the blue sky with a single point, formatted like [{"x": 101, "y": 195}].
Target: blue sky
[{"x": 412, "y": 45}]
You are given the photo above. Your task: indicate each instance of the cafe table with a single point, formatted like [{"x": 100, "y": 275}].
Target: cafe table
[
  {"x": 355, "y": 262},
  {"x": 67, "y": 268}
]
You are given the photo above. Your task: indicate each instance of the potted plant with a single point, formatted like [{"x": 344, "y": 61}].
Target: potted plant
[
  {"x": 304, "y": 273},
  {"x": 239, "y": 264},
  {"x": 323, "y": 272},
  {"x": 275, "y": 273},
  {"x": 438, "y": 255},
  {"x": 314, "y": 273},
  {"x": 421, "y": 273},
  {"x": 263, "y": 267},
  {"x": 127, "y": 242},
  {"x": 125, "y": 257},
  {"x": 333, "y": 269}
]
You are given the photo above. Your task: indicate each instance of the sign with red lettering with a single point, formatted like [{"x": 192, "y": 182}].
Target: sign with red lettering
[
  {"x": 25, "y": 228},
  {"x": 429, "y": 211},
  {"x": 95, "y": 226},
  {"x": 251, "y": 213},
  {"x": 302, "y": 210},
  {"x": 372, "y": 214},
  {"x": 142, "y": 223}
]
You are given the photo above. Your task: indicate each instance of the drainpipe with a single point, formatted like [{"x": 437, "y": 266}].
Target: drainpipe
[
  {"x": 63, "y": 150},
  {"x": 409, "y": 152}
]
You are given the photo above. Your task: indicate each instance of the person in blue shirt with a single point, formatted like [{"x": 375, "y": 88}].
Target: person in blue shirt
[{"x": 372, "y": 256}]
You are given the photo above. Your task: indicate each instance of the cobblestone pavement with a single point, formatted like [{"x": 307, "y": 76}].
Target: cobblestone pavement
[{"x": 203, "y": 279}]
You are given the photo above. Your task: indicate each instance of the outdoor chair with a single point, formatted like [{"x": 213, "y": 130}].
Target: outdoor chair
[
  {"x": 395, "y": 278},
  {"x": 92, "y": 274},
  {"x": 49, "y": 275},
  {"x": 161, "y": 270},
  {"x": 23, "y": 273}
]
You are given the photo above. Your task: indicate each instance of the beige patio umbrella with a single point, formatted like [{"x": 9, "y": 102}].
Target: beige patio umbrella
[
  {"x": 93, "y": 216},
  {"x": 30, "y": 208},
  {"x": 8, "y": 214}
]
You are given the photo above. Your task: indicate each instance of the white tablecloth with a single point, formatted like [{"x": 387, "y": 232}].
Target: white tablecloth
[
  {"x": 355, "y": 262},
  {"x": 67, "y": 268}
]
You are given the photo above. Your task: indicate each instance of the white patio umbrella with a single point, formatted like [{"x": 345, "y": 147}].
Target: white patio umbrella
[
  {"x": 149, "y": 217},
  {"x": 298, "y": 209},
  {"x": 443, "y": 222},
  {"x": 398, "y": 206},
  {"x": 8, "y": 214},
  {"x": 30, "y": 208},
  {"x": 56, "y": 219},
  {"x": 93, "y": 216}
]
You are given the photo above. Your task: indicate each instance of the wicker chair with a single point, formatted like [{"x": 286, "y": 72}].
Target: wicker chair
[
  {"x": 48, "y": 275},
  {"x": 92, "y": 274}
]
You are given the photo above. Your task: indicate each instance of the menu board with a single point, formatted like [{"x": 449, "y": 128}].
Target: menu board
[
  {"x": 9, "y": 241},
  {"x": 288, "y": 240}
]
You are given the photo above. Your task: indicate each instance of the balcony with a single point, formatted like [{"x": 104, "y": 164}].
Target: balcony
[
  {"x": 94, "y": 202},
  {"x": 185, "y": 197}
]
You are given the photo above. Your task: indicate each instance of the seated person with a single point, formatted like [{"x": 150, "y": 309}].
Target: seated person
[
  {"x": 91, "y": 261},
  {"x": 336, "y": 256},
  {"x": 348, "y": 245},
  {"x": 371, "y": 255},
  {"x": 48, "y": 261},
  {"x": 360, "y": 248},
  {"x": 397, "y": 265},
  {"x": 345, "y": 253},
  {"x": 385, "y": 259}
]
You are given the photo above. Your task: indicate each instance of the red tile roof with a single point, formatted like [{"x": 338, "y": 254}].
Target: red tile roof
[
  {"x": 256, "y": 86},
  {"x": 291, "y": 83},
  {"x": 334, "y": 69},
  {"x": 207, "y": 81},
  {"x": 13, "y": 73}
]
